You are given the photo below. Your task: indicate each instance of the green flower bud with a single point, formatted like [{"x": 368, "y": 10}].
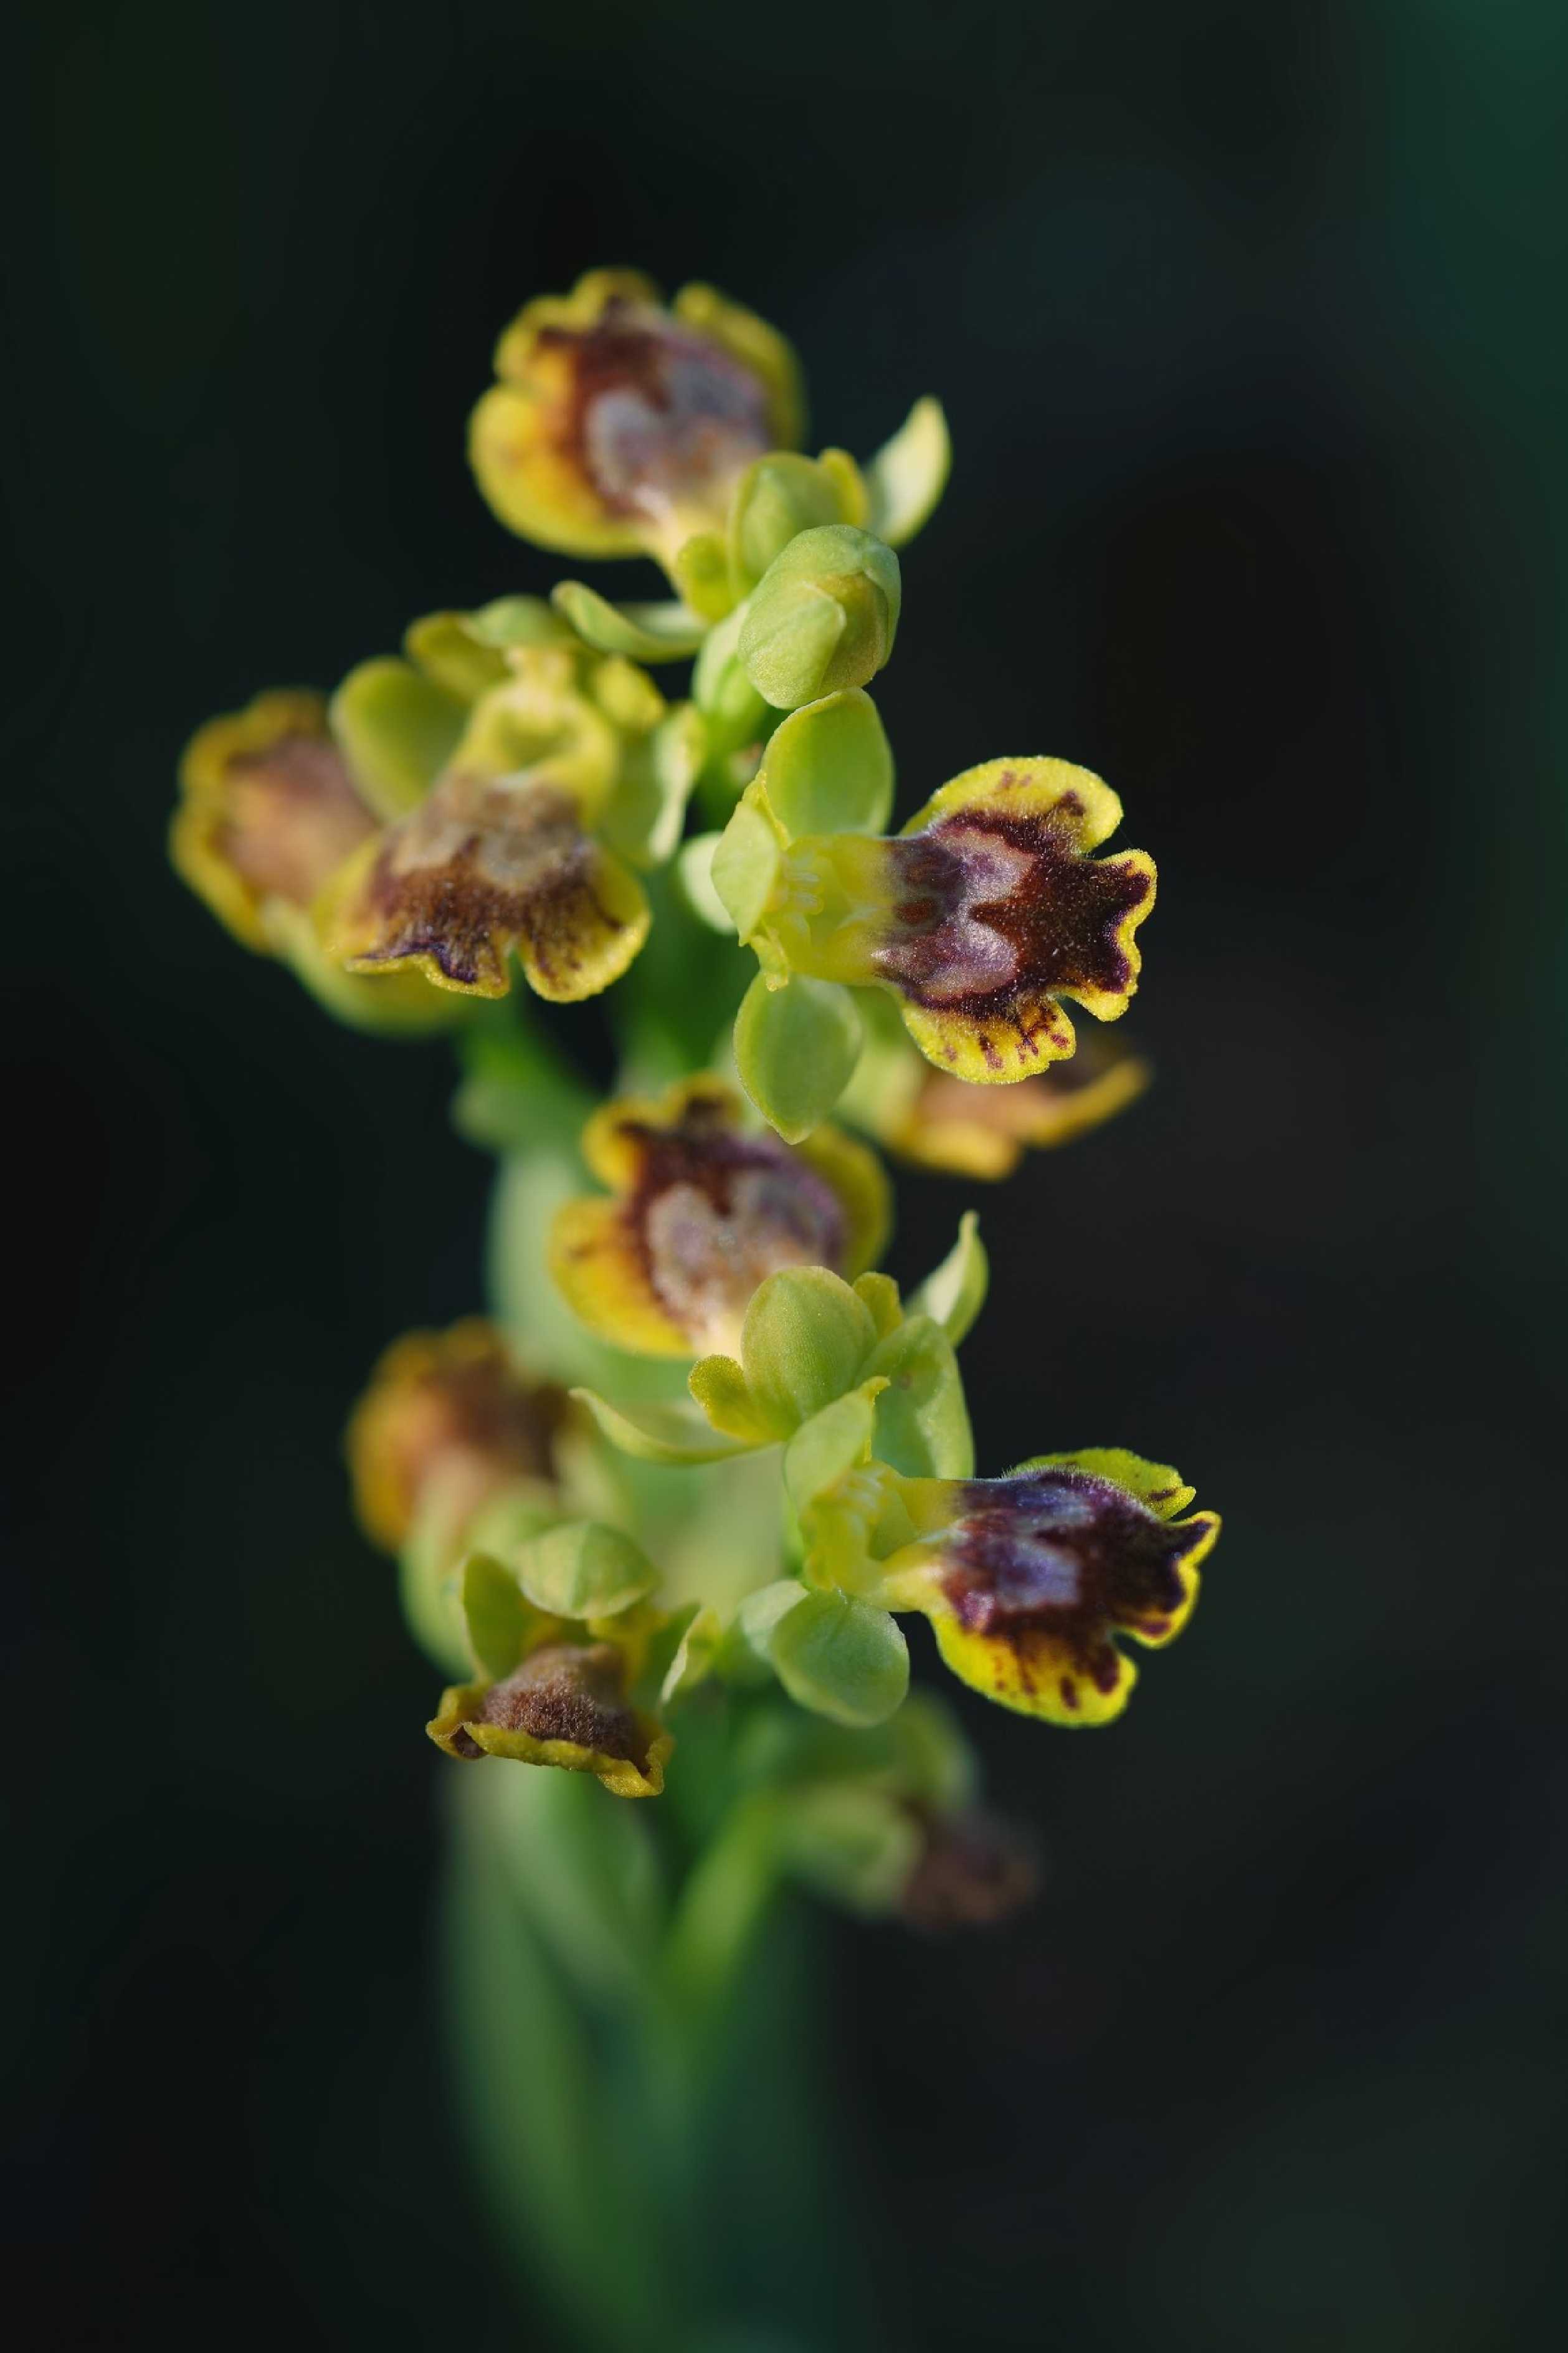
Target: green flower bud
[{"x": 822, "y": 616}]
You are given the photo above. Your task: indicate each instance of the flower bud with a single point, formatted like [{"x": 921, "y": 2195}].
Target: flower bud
[{"x": 823, "y": 615}]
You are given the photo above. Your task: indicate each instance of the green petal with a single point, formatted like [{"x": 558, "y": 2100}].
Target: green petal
[
  {"x": 668, "y": 631},
  {"x": 830, "y": 769},
  {"x": 907, "y": 475},
  {"x": 796, "y": 1048},
  {"x": 583, "y": 1570},
  {"x": 953, "y": 1293},
  {"x": 841, "y": 1657},
  {"x": 447, "y": 648}
]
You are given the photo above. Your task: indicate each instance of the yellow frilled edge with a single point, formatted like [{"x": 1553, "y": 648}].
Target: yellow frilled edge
[
  {"x": 1062, "y": 1663},
  {"x": 525, "y": 434},
  {"x": 600, "y": 1253},
  {"x": 483, "y": 867},
  {"x": 632, "y": 1767},
  {"x": 1072, "y": 918}
]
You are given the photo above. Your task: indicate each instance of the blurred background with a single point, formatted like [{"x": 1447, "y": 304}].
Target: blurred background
[{"x": 1243, "y": 318}]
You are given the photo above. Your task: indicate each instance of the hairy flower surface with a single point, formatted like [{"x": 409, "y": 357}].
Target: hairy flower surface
[
  {"x": 558, "y": 1688},
  {"x": 620, "y": 427},
  {"x": 706, "y": 1209},
  {"x": 1028, "y": 1579}
]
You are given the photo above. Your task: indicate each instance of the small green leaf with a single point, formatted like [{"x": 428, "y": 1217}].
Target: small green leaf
[
  {"x": 664, "y": 632},
  {"x": 830, "y": 769},
  {"x": 907, "y": 475},
  {"x": 953, "y": 1293},
  {"x": 397, "y": 730},
  {"x": 841, "y": 1657},
  {"x": 583, "y": 1570},
  {"x": 823, "y": 615},
  {"x": 796, "y": 1048},
  {"x": 804, "y": 1342}
]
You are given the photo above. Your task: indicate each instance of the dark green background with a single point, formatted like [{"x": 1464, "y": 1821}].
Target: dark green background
[{"x": 1243, "y": 316}]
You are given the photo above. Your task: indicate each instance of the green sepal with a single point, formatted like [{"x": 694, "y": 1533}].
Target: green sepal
[
  {"x": 694, "y": 872},
  {"x": 777, "y": 496},
  {"x": 841, "y": 1657},
  {"x": 648, "y": 808},
  {"x": 583, "y": 1569},
  {"x": 499, "y": 1619},
  {"x": 803, "y": 1344},
  {"x": 397, "y": 729},
  {"x": 668, "y": 631},
  {"x": 735, "y": 712},
  {"x": 744, "y": 868},
  {"x": 831, "y": 1442},
  {"x": 445, "y": 646},
  {"x": 829, "y": 768},
  {"x": 824, "y": 616},
  {"x": 953, "y": 1293},
  {"x": 795, "y": 1049},
  {"x": 661, "y": 1433},
  {"x": 923, "y": 1422},
  {"x": 907, "y": 475}
]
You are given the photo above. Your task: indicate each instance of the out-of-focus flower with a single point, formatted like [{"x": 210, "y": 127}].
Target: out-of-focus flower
[
  {"x": 620, "y": 427},
  {"x": 705, "y": 1207},
  {"x": 448, "y": 1422},
  {"x": 566, "y": 769},
  {"x": 935, "y": 1120},
  {"x": 1028, "y": 1580},
  {"x": 981, "y": 917},
  {"x": 270, "y": 810}
]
